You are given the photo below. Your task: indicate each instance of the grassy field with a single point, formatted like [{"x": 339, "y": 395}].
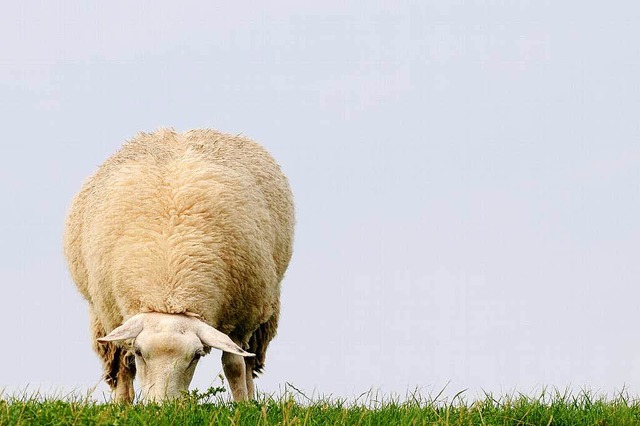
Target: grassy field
[{"x": 212, "y": 408}]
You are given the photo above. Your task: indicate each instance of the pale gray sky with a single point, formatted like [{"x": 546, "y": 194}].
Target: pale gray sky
[{"x": 466, "y": 173}]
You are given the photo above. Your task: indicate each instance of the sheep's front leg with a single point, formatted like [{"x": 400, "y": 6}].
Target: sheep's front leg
[
  {"x": 120, "y": 370},
  {"x": 250, "y": 362},
  {"x": 124, "y": 391},
  {"x": 119, "y": 367},
  {"x": 235, "y": 372}
]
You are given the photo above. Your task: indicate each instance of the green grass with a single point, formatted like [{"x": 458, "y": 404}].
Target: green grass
[{"x": 212, "y": 408}]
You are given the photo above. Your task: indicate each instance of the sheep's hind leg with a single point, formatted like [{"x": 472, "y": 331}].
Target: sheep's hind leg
[
  {"x": 258, "y": 344},
  {"x": 235, "y": 370},
  {"x": 119, "y": 367}
]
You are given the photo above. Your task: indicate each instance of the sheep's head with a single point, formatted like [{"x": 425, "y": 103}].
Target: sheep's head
[{"x": 167, "y": 348}]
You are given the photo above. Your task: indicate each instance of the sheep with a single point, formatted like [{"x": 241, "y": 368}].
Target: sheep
[{"x": 179, "y": 243}]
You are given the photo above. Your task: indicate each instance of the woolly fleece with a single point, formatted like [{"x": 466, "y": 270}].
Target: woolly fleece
[{"x": 199, "y": 222}]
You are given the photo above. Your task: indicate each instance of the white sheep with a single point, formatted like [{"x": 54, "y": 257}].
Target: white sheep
[{"x": 179, "y": 243}]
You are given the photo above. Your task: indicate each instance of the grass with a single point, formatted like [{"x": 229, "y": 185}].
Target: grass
[{"x": 212, "y": 408}]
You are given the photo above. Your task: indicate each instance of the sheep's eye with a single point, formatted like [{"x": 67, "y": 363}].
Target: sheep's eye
[
  {"x": 196, "y": 356},
  {"x": 138, "y": 352}
]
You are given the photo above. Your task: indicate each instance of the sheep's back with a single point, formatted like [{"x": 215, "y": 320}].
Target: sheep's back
[{"x": 199, "y": 222}]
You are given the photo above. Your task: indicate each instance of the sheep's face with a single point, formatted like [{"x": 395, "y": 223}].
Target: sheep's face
[
  {"x": 167, "y": 348},
  {"x": 166, "y": 358}
]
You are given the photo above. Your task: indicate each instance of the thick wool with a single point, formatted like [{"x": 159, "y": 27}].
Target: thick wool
[{"x": 198, "y": 222}]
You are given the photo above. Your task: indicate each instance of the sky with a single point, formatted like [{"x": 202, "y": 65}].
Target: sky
[{"x": 466, "y": 177}]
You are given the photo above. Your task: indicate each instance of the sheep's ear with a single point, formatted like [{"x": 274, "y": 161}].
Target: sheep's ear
[
  {"x": 211, "y": 337},
  {"x": 130, "y": 329}
]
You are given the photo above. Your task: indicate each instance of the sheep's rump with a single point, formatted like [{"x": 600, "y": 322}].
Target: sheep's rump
[{"x": 199, "y": 222}]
